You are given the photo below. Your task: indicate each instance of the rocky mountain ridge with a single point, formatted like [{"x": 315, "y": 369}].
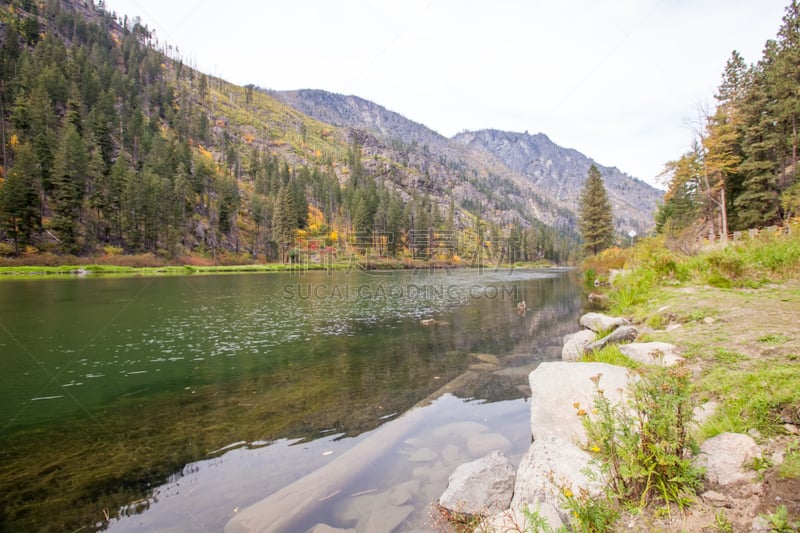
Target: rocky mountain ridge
[
  {"x": 546, "y": 178},
  {"x": 558, "y": 173}
]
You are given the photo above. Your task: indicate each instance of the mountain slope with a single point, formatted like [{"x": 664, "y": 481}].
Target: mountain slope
[
  {"x": 548, "y": 177},
  {"x": 445, "y": 168},
  {"x": 356, "y": 112},
  {"x": 559, "y": 173}
]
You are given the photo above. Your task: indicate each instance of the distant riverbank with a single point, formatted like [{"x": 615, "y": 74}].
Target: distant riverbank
[{"x": 149, "y": 265}]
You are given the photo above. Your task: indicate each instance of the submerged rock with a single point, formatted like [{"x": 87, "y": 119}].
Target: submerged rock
[
  {"x": 481, "y": 487},
  {"x": 385, "y": 520},
  {"x": 483, "y": 443},
  {"x": 423, "y": 455},
  {"x": 598, "y": 322},
  {"x": 325, "y": 528}
]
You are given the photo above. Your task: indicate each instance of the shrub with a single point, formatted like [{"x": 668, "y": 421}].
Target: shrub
[
  {"x": 7, "y": 249},
  {"x": 112, "y": 250},
  {"x": 644, "y": 444}
]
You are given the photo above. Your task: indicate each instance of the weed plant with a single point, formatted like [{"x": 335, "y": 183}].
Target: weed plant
[
  {"x": 779, "y": 521},
  {"x": 644, "y": 445}
]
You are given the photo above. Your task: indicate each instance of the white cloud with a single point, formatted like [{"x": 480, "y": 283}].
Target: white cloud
[{"x": 615, "y": 79}]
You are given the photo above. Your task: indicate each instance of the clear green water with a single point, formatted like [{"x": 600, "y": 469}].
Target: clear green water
[{"x": 169, "y": 403}]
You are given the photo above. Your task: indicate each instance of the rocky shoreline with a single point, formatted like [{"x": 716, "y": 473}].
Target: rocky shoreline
[{"x": 559, "y": 457}]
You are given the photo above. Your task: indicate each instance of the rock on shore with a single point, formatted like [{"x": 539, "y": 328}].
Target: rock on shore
[
  {"x": 557, "y": 386},
  {"x": 562, "y": 393}
]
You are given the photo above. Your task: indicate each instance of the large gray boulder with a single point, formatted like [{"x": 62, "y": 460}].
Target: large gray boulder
[
  {"x": 652, "y": 353},
  {"x": 618, "y": 336},
  {"x": 556, "y": 386},
  {"x": 575, "y": 344},
  {"x": 480, "y": 488},
  {"x": 552, "y": 467},
  {"x": 726, "y": 458},
  {"x": 598, "y": 322}
]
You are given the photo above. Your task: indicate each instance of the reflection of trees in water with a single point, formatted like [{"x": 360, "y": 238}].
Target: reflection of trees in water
[
  {"x": 521, "y": 341},
  {"x": 346, "y": 384}
]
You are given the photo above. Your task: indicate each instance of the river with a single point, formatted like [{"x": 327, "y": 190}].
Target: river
[{"x": 174, "y": 403}]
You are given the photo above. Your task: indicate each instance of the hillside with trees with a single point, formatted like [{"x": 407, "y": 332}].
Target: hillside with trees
[
  {"x": 741, "y": 170},
  {"x": 531, "y": 171},
  {"x": 112, "y": 145}
]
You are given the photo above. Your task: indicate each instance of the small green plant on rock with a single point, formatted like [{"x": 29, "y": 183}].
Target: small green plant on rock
[
  {"x": 590, "y": 515},
  {"x": 644, "y": 444},
  {"x": 779, "y": 521},
  {"x": 609, "y": 354},
  {"x": 722, "y": 523},
  {"x": 536, "y": 523}
]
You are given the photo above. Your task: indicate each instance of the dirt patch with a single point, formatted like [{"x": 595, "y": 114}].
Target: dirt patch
[
  {"x": 741, "y": 330},
  {"x": 780, "y": 491}
]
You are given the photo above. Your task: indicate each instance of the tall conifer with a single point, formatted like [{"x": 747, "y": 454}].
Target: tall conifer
[{"x": 595, "y": 219}]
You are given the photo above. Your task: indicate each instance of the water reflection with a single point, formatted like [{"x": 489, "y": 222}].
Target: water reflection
[{"x": 162, "y": 372}]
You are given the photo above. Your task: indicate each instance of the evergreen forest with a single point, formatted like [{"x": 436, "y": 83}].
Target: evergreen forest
[
  {"x": 741, "y": 170},
  {"x": 112, "y": 146}
]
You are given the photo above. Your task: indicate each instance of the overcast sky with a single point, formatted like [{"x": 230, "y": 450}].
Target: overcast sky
[{"x": 619, "y": 80}]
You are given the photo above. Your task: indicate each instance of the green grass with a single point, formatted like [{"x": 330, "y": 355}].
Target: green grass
[
  {"x": 752, "y": 397},
  {"x": 73, "y": 270},
  {"x": 610, "y": 355},
  {"x": 791, "y": 461},
  {"x": 774, "y": 338},
  {"x": 697, "y": 315},
  {"x": 779, "y": 521},
  {"x": 723, "y": 355},
  {"x": 750, "y": 263}
]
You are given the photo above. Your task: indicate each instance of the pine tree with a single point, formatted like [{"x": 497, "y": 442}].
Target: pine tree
[
  {"x": 595, "y": 219},
  {"x": 300, "y": 203},
  {"x": 394, "y": 223},
  {"x": 113, "y": 190},
  {"x": 757, "y": 205},
  {"x": 284, "y": 221},
  {"x": 69, "y": 174},
  {"x": 18, "y": 198}
]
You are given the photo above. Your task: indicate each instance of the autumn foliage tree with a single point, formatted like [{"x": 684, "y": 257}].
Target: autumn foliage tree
[{"x": 748, "y": 157}]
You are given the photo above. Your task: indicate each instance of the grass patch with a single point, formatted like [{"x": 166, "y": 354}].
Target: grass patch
[
  {"x": 774, "y": 338},
  {"x": 791, "y": 461},
  {"x": 750, "y": 263},
  {"x": 82, "y": 270},
  {"x": 610, "y": 355},
  {"x": 724, "y": 355},
  {"x": 752, "y": 398},
  {"x": 698, "y": 315}
]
